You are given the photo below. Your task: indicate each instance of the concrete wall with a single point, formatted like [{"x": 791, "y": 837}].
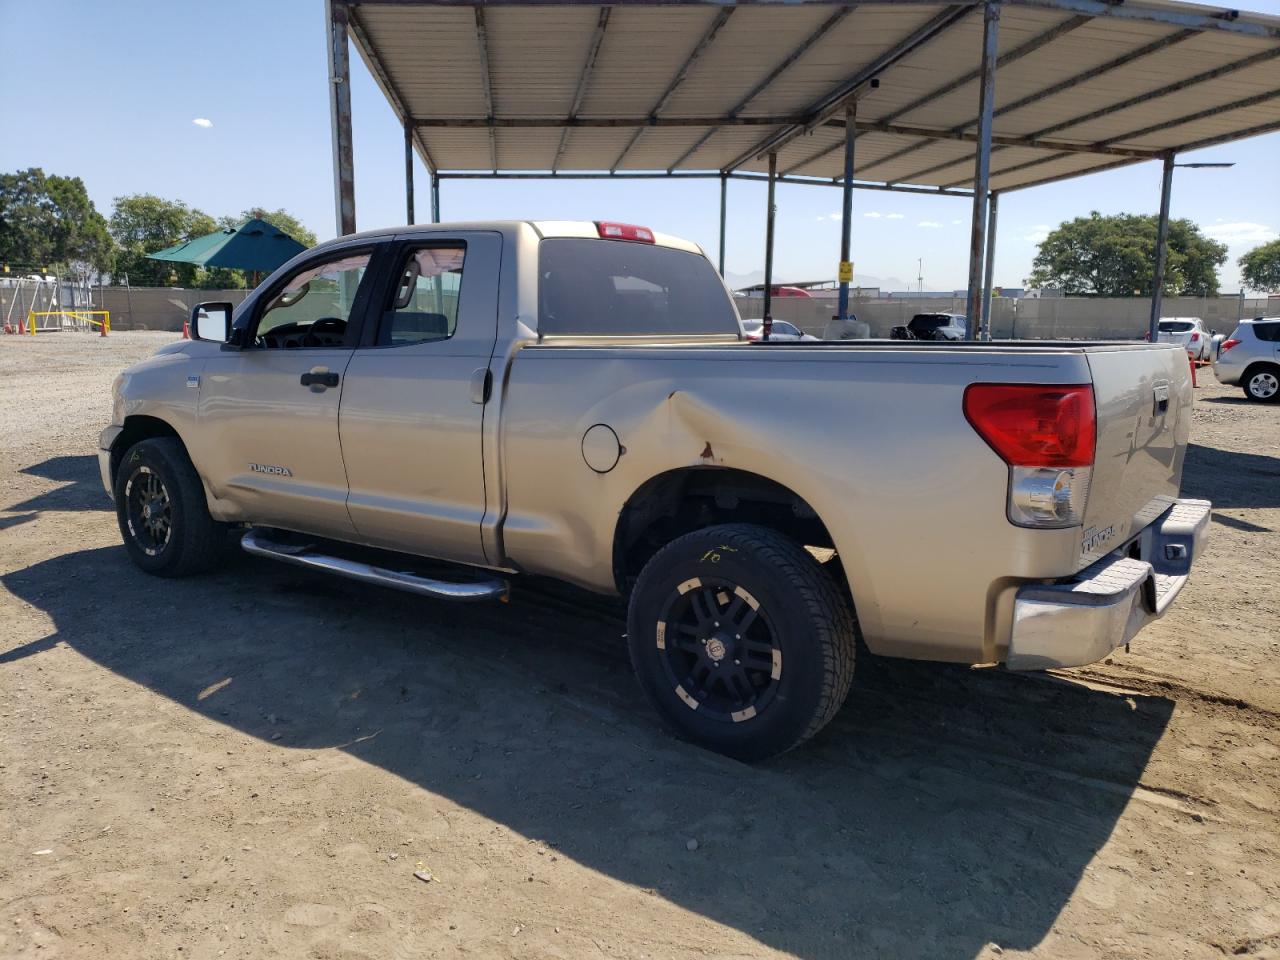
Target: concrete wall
[
  {"x": 1072, "y": 318},
  {"x": 132, "y": 308},
  {"x": 158, "y": 308}
]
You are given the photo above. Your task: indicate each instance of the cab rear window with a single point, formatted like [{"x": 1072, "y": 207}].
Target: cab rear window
[{"x": 615, "y": 288}]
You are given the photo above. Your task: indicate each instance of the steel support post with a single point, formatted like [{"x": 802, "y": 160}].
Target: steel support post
[
  {"x": 982, "y": 165},
  {"x": 846, "y": 209},
  {"x": 344, "y": 178},
  {"x": 435, "y": 199},
  {"x": 408, "y": 171},
  {"x": 1162, "y": 252},
  {"x": 989, "y": 275},
  {"x": 768, "y": 251},
  {"x": 724, "y": 199}
]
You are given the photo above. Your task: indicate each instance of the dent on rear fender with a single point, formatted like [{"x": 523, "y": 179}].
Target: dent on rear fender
[
  {"x": 707, "y": 435},
  {"x": 697, "y": 427}
]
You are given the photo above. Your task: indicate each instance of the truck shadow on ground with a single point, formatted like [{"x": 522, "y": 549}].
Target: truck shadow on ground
[
  {"x": 1255, "y": 477},
  {"x": 944, "y": 809},
  {"x": 81, "y": 486}
]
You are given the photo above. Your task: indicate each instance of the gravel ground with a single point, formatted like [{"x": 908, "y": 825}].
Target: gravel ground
[{"x": 256, "y": 763}]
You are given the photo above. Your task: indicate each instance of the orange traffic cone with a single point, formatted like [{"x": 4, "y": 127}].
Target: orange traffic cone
[
  {"x": 1192, "y": 364},
  {"x": 102, "y": 330},
  {"x": 186, "y": 329}
]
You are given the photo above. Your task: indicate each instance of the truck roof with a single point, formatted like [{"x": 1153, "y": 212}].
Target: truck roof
[{"x": 586, "y": 229}]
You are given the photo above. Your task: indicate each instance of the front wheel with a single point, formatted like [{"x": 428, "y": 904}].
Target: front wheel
[
  {"x": 162, "y": 512},
  {"x": 742, "y": 642}
]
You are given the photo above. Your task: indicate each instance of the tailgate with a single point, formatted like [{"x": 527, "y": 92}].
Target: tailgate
[{"x": 1143, "y": 400}]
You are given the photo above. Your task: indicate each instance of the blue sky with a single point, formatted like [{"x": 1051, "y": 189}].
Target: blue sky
[{"x": 108, "y": 92}]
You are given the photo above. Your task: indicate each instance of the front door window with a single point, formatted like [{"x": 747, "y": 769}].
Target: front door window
[{"x": 314, "y": 307}]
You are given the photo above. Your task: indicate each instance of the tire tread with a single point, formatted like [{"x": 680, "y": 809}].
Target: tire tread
[
  {"x": 826, "y": 604},
  {"x": 201, "y": 539}
]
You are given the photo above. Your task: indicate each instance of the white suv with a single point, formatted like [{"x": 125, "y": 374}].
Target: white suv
[
  {"x": 1190, "y": 332},
  {"x": 1250, "y": 357}
]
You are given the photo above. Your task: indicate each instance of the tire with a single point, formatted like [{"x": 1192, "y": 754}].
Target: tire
[
  {"x": 1261, "y": 384},
  {"x": 162, "y": 512},
  {"x": 750, "y": 698}
]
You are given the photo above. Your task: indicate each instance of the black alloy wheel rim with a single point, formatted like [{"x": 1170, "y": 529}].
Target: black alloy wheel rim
[
  {"x": 719, "y": 649},
  {"x": 148, "y": 511}
]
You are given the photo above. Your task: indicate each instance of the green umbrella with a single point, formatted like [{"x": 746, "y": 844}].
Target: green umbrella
[{"x": 255, "y": 245}]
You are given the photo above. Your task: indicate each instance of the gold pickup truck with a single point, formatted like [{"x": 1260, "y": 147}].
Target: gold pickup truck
[{"x": 578, "y": 400}]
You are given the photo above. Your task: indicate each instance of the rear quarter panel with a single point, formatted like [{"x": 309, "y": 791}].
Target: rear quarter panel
[{"x": 874, "y": 440}]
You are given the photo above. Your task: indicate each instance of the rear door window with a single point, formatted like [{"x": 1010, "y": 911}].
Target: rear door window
[
  {"x": 618, "y": 288},
  {"x": 424, "y": 303},
  {"x": 1269, "y": 332}
]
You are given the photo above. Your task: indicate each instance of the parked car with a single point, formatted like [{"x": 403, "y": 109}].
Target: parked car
[
  {"x": 932, "y": 326},
  {"x": 577, "y": 401},
  {"x": 1190, "y": 333},
  {"x": 782, "y": 330},
  {"x": 1250, "y": 358}
]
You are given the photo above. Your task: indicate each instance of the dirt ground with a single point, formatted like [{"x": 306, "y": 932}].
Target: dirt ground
[{"x": 254, "y": 764}]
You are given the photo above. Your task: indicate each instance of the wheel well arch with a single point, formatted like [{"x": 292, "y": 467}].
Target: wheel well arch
[
  {"x": 137, "y": 428},
  {"x": 1257, "y": 365},
  {"x": 680, "y": 501}
]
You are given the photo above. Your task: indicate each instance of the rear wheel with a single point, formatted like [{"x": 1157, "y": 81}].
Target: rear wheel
[
  {"x": 162, "y": 512},
  {"x": 1262, "y": 384},
  {"x": 742, "y": 642}
]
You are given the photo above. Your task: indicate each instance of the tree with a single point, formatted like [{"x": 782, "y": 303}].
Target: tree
[
  {"x": 1260, "y": 267},
  {"x": 49, "y": 221},
  {"x": 142, "y": 224},
  {"x": 1115, "y": 257}
]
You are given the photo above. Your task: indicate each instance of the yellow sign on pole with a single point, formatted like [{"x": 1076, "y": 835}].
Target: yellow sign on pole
[{"x": 846, "y": 271}]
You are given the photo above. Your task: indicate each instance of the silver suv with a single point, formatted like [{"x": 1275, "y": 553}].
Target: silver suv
[{"x": 1250, "y": 357}]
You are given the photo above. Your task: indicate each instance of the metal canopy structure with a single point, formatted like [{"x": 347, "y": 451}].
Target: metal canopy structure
[{"x": 951, "y": 98}]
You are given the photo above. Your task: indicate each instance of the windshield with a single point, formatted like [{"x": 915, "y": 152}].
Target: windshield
[
  {"x": 619, "y": 288},
  {"x": 1175, "y": 326}
]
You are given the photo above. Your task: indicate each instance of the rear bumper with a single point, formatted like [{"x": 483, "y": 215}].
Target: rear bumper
[
  {"x": 1227, "y": 371},
  {"x": 1104, "y": 605}
]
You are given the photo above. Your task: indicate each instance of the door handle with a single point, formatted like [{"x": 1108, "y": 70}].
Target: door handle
[
  {"x": 319, "y": 377},
  {"x": 481, "y": 385}
]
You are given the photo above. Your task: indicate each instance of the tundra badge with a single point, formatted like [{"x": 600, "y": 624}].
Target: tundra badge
[{"x": 268, "y": 468}]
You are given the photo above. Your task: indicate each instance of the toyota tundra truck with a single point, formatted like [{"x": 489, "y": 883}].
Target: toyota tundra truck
[{"x": 441, "y": 409}]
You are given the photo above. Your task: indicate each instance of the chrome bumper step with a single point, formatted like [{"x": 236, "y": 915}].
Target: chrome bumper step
[
  {"x": 260, "y": 544},
  {"x": 1102, "y": 607}
]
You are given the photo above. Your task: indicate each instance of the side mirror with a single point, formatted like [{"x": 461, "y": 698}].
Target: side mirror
[{"x": 211, "y": 322}]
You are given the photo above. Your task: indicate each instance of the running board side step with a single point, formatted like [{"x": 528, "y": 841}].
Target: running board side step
[{"x": 305, "y": 555}]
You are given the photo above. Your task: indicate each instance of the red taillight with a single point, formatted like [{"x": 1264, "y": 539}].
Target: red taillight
[
  {"x": 623, "y": 231},
  {"x": 1227, "y": 344},
  {"x": 1034, "y": 425},
  {"x": 1194, "y": 337}
]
